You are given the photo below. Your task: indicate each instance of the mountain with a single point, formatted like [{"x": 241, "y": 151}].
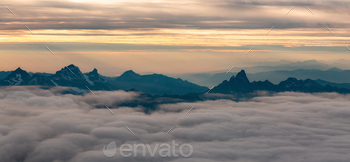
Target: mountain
[
  {"x": 241, "y": 85},
  {"x": 274, "y": 72},
  {"x": 331, "y": 75},
  {"x": 21, "y": 77},
  {"x": 94, "y": 76},
  {"x": 156, "y": 84},
  {"x": 4, "y": 74},
  {"x": 71, "y": 76},
  {"x": 293, "y": 84},
  {"x": 238, "y": 84},
  {"x": 98, "y": 82},
  {"x": 41, "y": 80},
  {"x": 308, "y": 64},
  {"x": 338, "y": 85},
  {"x": 17, "y": 77}
]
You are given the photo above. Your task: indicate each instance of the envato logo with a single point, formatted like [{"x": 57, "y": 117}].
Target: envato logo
[{"x": 166, "y": 150}]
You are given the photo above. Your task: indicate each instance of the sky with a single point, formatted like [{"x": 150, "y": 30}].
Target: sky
[
  {"x": 42, "y": 125},
  {"x": 166, "y": 36}
]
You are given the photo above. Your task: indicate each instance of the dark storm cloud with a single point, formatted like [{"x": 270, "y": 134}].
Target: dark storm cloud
[
  {"x": 197, "y": 14},
  {"x": 37, "y": 125}
]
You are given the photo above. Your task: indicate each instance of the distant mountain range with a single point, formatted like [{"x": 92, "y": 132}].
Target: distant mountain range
[
  {"x": 311, "y": 69},
  {"x": 332, "y": 76},
  {"x": 159, "y": 89},
  {"x": 71, "y": 76},
  {"x": 237, "y": 88},
  {"x": 276, "y": 72},
  {"x": 241, "y": 85},
  {"x": 338, "y": 85},
  {"x": 158, "y": 84},
  {"x": 308, "y": 64}
]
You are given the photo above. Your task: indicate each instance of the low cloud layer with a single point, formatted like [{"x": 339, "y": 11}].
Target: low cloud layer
[{"x": 39, "y": 125}]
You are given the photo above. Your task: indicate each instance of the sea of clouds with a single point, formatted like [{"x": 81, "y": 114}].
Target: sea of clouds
[{"x": 44, "y": 125}]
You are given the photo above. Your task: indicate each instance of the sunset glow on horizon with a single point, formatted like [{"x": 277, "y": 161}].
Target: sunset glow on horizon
[{"x": 164, "y": 36}]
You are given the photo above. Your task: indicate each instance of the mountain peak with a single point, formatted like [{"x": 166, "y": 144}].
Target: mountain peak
[
  {"x": 17, "y": 77},
  {"x": 95, "y": 76},
  {"x": 130, "y": 73},
  {"x": 71, "y": 66},
  {"x": 292, "y": 79},
  {"x": 242, "y": 77},
  {"x": 68, "y": 73},
  {"x": 238, "y": 84},
  {"x": 93, "y": 72},
  {"x": 242, "y": 72},
  {"x": 19, "y": 70},
  {"x": 156, "y": 84}
]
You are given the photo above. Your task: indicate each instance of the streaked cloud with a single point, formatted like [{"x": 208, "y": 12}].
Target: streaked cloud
[{"x": 191, "y": 26}]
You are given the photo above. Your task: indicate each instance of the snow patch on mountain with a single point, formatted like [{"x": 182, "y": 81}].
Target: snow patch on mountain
[
  {"x": 88, "y": 80},
  {"x": 17, "y": 80}
]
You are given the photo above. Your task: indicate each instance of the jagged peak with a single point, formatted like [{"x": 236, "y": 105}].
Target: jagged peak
[
  {"x": 242, "y": 76},
  {"x": 93, "y": 72},
  {"x": 241, "y": 73},
  {"x": 70, "y": 70},
  {"x": 18, "y": 73},
  {"x": 72, "y": 66},
  {"x": 18, "y": 69}
]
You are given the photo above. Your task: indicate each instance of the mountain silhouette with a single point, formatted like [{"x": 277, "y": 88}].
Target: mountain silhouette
[
  {"x": 338, "y": 85},
  {"x": 17, "y": 77},
  {"x": 156, "y": 84},
  {"x": 238, "y": 84},
  {"x": 241, "y": 85},
  {"x": 71, "y": 76}
]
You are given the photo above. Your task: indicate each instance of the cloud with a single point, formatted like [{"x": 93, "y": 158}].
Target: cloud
[
  {"x": 41, "y": 125},
  {"x": 169, "y": 14},
  {"x": 175, "y": 34}
]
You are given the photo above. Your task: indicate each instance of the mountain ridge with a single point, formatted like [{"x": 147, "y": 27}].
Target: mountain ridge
[
  {"x": 159, "y": 84},
  {"x": 71, "y": 76},
  {"x": 241, "y": 85}
]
